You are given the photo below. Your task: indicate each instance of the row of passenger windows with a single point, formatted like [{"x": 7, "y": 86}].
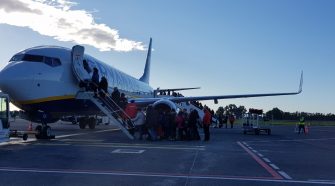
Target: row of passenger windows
[{"x": 51, "y": 61}]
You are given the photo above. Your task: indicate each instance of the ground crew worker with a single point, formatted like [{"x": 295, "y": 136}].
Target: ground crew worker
[{"x": 302, "y": 125}]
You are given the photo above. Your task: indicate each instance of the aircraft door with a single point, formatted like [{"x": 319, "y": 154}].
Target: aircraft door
[
  {"x": 4, "y": 112},
  {"x": 79, "y": 65}
]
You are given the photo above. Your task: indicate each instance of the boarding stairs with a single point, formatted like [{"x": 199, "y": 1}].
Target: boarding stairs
[{"x": 112, "y": 110}]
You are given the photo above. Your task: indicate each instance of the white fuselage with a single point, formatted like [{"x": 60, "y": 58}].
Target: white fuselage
[{"x": 34, "y": 78}]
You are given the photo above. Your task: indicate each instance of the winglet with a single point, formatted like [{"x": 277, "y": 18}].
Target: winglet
[
  {"x": 301, "y": 82},
  {"x": 146, "y": 73}
]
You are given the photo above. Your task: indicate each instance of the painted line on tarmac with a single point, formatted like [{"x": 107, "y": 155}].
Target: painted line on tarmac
[
  {"x": 289, "y": 140},
  {"x": 106, "y": 130},
  {"x": 285, "y": 175},
  {"x": 323, "y": 180},
  {"x": 260, "y": 155},
  {"x": 83, "y": 133},
  {"x": 120, "y": 146},
  {"x": 261, "y": 162},
  {"x": 163, "y": 175},
  {"x": 142, "y": 147}
]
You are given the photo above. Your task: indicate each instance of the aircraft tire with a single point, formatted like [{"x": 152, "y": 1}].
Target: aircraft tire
[
  {"x": 47, "y": 131},
  {"x": 38, "y": 129},
  {"x": 25, "y": 137},
  {"x": 92, "y": 122},
  {"x": 82, "y": 123}
]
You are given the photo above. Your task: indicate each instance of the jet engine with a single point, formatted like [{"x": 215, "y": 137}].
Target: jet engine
[{"x": 165, "y": 104}]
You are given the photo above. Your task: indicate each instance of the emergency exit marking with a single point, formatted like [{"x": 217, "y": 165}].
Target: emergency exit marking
[{"x": 128, "y": 151}]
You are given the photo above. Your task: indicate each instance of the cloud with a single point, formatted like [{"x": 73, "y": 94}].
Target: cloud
[{"x": 57, "y": 19}]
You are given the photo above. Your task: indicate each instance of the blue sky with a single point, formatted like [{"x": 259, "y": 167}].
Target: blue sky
[{"x": 225, "y": 47}]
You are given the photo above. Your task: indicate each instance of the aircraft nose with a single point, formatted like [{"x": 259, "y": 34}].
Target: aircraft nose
[
  {"x": 15, "y": 77},
  {"x": 6, "y": 78}
]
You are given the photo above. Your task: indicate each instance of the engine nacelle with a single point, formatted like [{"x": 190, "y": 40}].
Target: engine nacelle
[{"x": 165, "y": 104}]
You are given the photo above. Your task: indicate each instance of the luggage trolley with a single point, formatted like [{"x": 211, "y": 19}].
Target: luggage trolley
[{"x": 255, "y": 121}]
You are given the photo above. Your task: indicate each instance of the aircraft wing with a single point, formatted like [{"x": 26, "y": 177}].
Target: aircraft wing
[
  {"x": 146, "y": 101},
  {"x": 177, "y": 89}
]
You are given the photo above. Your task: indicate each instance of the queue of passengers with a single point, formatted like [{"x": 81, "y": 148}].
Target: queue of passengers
[{"x": 168, "y": 125}]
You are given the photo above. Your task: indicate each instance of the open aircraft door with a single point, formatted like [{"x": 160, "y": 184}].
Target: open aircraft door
[
  {"x": 78, "y": 63},
  {"x": 4, "y": 117}
]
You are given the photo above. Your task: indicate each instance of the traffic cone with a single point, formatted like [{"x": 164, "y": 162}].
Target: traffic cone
[
  {"x": 306, "y": 129},
  {"x": 30, "y": 127}
]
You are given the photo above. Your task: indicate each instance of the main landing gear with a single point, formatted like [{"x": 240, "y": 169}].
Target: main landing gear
[
  {"x": 44, "y": 132},
  {"x": 90, "y": 121}
]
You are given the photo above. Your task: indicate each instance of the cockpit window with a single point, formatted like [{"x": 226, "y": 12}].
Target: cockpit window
[
  {"x": 17, "y": 57},
  {"x": 33, "y": 58},
  {"x": 51, "y": 61}
]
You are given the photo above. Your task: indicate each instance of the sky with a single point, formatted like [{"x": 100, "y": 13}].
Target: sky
[{"x": 224, "y": 47}]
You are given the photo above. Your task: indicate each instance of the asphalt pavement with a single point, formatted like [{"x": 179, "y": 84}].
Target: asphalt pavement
[{"x": 105, "y": 156}]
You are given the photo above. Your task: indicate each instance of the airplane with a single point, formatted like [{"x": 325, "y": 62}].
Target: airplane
[{"x": 47, "y": 78}]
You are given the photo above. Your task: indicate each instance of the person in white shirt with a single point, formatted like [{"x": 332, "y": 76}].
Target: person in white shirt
[{"x": 139, "y": 122}]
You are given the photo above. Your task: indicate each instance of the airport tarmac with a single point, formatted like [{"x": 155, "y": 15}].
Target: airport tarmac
[{"x": 105, "y": 156}]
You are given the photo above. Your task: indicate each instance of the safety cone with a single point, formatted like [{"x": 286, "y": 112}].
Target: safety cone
[{"x": 30, "y": 127}]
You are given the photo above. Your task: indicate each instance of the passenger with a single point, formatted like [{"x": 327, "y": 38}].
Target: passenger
[
  {"x": 123, "y": 101},
  {"x": 151, "y": 122},
  {"x": 95, "y": 80},
  {"x": 180, "y": 122},
  {"x": 192, "y": 123},
  {"x": 161, "y": 124},
  {"x": 131, "y": 109},
  {"x": 139, "y": 121},
  {"x": 206, "y": 123},
  {"x": 231, "y": 120},
  {"x": 186, "y": 125},
  {"x": 220, "y": 118},
  {"x": 225, "y": 120},
  {"x": 103, "y": 87},
  {"x": 302, "y": 125},
  {"x": 116, "y": 96},
  {"x": 86, "y": 66},
  {"x": 172, "y": 125}
]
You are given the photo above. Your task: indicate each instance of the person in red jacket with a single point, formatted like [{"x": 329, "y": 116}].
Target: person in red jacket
[
  {"x": 131, "y": 109},
  {"x": 207, "y": 120}
]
